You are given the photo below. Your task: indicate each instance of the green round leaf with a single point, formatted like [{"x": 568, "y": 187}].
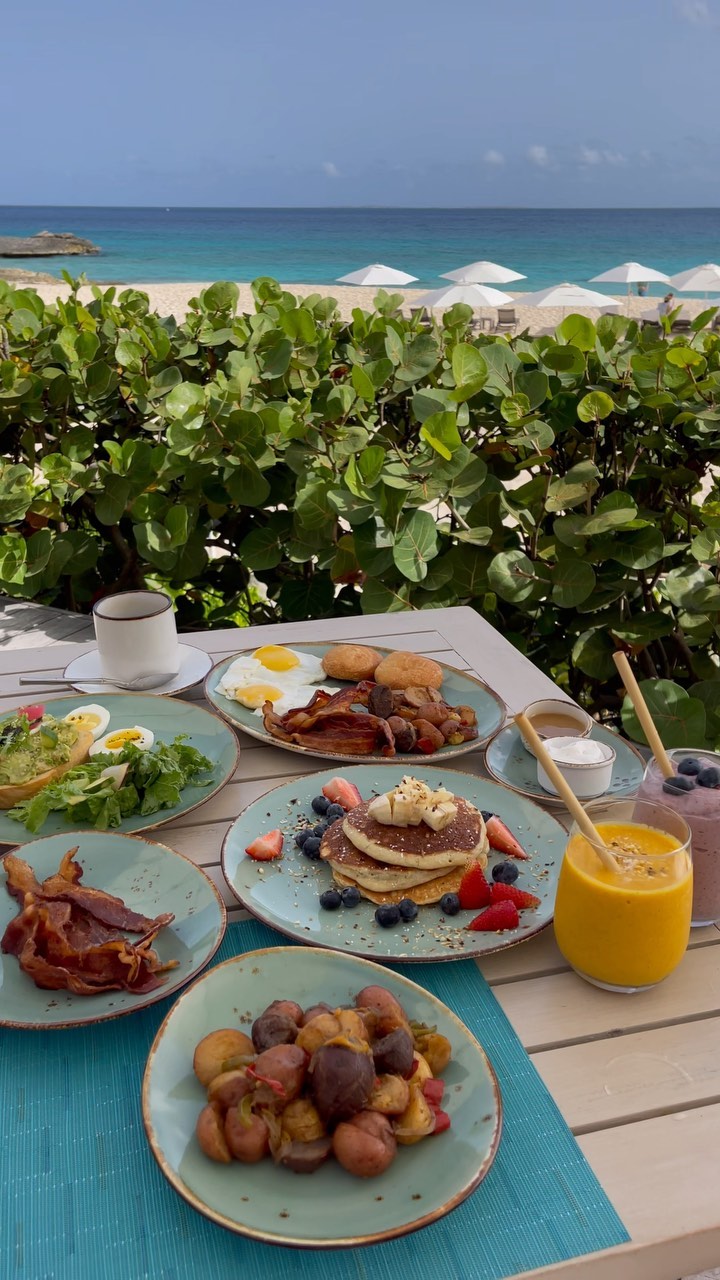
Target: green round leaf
[
  {"x": 680, "y": 720},
  {"x": 578, "y": 332},
  {"x": 512, "y": 576},
  {"x": 573, "y": 581},
  {"x": 415, "y": 544},
  {"x": 595, "y": 406}
]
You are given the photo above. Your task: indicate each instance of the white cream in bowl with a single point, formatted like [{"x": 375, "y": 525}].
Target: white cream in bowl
[{"x": 585, "y": 764}]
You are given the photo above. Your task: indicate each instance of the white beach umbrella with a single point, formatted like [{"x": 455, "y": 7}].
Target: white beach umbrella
[
  {"x": 568, "y": 296},
  {"x": 630, "y": 273},
  {"x": 376, "y": 274},
  {"x": 483, "y": 273},
  {"x": 697, "y": 279},
  {"x": 475, "y": 295}
]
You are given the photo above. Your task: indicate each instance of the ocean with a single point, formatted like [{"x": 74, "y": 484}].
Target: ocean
[{"x": 318, "y": 245}]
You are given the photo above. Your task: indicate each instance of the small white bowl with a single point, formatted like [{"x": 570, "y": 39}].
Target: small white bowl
[
  {"x": 586, "y": 779},
  {"x": 548, "y": 706}
]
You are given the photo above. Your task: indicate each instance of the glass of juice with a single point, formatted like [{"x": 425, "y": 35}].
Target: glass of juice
[
  {"x": 627, "y": 928},
  {"x": 694, "y": 792}
]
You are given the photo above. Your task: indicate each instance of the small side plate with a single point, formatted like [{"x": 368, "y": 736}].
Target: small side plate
[
  {"x": 150, "y": 878},
  {"x": 328, "y": 1209},
  {"x": 508, "y": 762},
  {"x": 194, "y": 666}
]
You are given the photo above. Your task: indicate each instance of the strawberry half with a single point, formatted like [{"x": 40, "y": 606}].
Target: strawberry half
[
  {"x": 340, "y": 791},
  {"x": 502, "y": 838},
  {"x": 501, "y": 915},
  {"x": 510, "y": 893},
  {"x": 474, "y": 889},
  {"x": 266, "y": 848}
]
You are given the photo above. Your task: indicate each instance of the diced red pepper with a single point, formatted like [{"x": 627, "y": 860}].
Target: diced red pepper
[
  {"x": 433, "y": 1091},
  {"x": 442, "y": 1122},
  {"x": 426, "y": 745},
  {"x": 275, "y": 1085},
  {"x": 34, "y": 711}
]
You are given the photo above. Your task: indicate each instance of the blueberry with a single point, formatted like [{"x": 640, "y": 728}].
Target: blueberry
[
  {"x": 320, "y": 804},
  {"x": 334, "y": 811},
  {"x": 675, "y": 785},
  {"x": 505, "y": 873},
  {"x": 320, "y": 829},
  {"x": 408, "y": 909},
  {"x": 689, "y": 766},
  {"x": 311, "y": 848},
  {"x": 709, "y": 776},
  {"x": 302, "y": 836},
  {"x": 450, "y": 904},
  {"x": 387, "y": 915},
  {"x": 330, "y": 900},
  {"x": 350, "y": 896}
]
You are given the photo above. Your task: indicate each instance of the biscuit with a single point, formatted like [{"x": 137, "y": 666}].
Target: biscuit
[
  {"x": 402, "y": 670},
  {"x": 351, "y": 662}
]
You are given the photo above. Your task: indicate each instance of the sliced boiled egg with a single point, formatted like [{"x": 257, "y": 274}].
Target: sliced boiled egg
[
  {"x": 90, "y": 718},
  {"x": 119, "y": 738}
]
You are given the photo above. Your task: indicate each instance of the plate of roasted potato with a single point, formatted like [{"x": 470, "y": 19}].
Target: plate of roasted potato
[{"x": 317, "y": 1100}]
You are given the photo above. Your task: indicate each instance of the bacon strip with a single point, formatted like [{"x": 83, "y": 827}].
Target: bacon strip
[
  {"x": 328, "y": 722},
  {"x": 65, "y": 886}
]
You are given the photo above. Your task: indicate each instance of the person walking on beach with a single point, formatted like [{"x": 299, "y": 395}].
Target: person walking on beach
[
  {"x": 666, "y": 306},
  {"x": 641, "y": 289}
]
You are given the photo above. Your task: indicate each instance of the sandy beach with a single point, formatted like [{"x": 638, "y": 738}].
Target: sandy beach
[{"x": 172, "y": 299}]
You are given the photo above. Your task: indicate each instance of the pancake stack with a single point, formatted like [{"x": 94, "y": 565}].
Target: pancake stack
[{"x": 388, "y": 861}]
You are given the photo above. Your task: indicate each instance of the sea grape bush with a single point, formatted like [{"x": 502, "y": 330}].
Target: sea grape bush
[{"x": 289, "y": 464}]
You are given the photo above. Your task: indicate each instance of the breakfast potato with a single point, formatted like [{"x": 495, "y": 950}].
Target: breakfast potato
[
  {"x": 313, "y": 1012},
  {"x": 215, "y": 1049},
  {"x": 288, "y": 1008},
  {"x": 421, "y": 1071},
  {"x": 317, "y": 1031},
  {"x": 301, "y": 1121},
  {"x": 425, "y": 730},
  {"x": 273, "y": 1027},
  {"x": 286, "y": 1066},
  {"x": 365, "y": 1146},
  {"x": 389, "y": 1011},
  {"x": 229, "y": 1088},
  {"x": 403, "y": 732},
  {"x": 434, "y": 712},
  {"x": 247, "y": 1138},
  {"x": 395, "y": 1053},
  {"x": 341, "y": 1081},
  {"x": 306, "y": 1157},
  {"x": 417, "y": 1121},
  {"x": 436, "y": 1050},
  {"x": 351, "y": 1024},
  {"x": 211, "y": 1135},
  {"x": 391, "y": 1096}
]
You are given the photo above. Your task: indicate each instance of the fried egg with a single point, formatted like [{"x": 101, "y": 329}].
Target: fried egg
[
  {"x": 90, "y": 718},
  {"x": 254, "y": 695},
  {"x": 272, "y": 673},
  {"x": 114, "y": 742}
]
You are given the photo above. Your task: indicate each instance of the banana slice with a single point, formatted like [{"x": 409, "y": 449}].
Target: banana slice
[{"x": 413, "y": 802}]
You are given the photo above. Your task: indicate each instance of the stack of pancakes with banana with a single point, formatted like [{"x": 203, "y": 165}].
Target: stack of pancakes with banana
[{"x": 411, "y": 842}]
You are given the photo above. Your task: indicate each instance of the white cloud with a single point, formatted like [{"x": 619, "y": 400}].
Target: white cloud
[
  {"x": 698, "y": 12},
  {"x": 592, "y": 156},
  {"x": 329, "y": 169},
  {"x": 494, "y": 157},
  {"x": 539, "y": 156}
]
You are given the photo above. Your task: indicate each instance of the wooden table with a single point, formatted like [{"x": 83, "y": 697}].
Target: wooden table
[{"x": 637, "y": 1078}]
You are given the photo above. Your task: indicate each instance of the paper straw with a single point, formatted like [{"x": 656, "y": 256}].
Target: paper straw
[
  {"x": 566, "y": 793},
  {"x": 643, "y": 714}
]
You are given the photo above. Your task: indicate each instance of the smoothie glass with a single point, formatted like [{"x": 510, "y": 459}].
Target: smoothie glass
[
  {"x": 700, "y": 807},
  {"x": 626, "y": 929}
]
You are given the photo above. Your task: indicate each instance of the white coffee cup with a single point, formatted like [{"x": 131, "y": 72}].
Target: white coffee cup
[{"x": 136, "y": 635}]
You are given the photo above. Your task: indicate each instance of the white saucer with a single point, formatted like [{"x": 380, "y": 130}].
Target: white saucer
[{"x": 194, "y": 666}]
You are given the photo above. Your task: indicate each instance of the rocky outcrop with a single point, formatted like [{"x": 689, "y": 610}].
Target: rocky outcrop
[
  {"x": 23, "y": 275},
  {"x": 46, "y": 244}
]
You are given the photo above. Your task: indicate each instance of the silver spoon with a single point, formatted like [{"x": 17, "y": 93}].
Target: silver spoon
[{"x": 140, "y": 682}]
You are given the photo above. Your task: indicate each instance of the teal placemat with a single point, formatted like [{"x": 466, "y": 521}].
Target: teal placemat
[{"x": 82, "y": 1197}]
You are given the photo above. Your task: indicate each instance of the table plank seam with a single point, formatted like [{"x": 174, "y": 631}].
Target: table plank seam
[{"x": 618, "y": 1033}]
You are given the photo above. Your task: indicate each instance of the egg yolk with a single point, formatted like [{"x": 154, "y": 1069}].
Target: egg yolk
[
  {"x": 253, "y": 695},
  {"x": 121, "y": 737},
  {"x": 276, "y": 657},
  {"x": 85, "y": 721}
]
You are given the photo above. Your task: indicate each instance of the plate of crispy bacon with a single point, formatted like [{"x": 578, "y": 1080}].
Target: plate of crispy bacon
[
  {"x": 353, "y": 703},
  {"x": 94, "y": 925}
]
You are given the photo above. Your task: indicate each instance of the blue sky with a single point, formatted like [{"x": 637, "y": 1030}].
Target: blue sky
[{"x": 385, "y": 102}]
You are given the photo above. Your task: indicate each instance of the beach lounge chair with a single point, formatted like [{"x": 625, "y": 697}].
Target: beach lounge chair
[
  {"x": 506, "y": 321},
  {"x": 680, "y": 326},
  {"x": 421, "y": 314},
  {"x": 715, "y": 326}
]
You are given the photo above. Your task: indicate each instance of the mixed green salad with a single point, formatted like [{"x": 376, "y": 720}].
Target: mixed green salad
[{"x": 111, "y": 786}]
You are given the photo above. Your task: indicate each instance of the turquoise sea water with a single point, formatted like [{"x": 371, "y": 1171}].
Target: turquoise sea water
[{"x": 317, "y": 245}]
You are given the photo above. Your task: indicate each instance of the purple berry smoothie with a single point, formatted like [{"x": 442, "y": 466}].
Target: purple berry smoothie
[{"x": 700, "y": 808}]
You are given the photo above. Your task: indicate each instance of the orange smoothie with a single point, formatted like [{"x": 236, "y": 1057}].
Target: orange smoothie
[{"x": 627, "y": 928}]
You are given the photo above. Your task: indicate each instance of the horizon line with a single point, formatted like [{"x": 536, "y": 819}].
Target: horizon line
[{"x": 450, "y": 208}]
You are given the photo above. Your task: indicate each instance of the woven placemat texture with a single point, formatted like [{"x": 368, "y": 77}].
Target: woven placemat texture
[{"x": 83, "y": 1199}]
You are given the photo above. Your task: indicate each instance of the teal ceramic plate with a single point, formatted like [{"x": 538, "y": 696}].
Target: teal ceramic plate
[
  {"x": 166, "y": 717},
  {"x": 458, "y": 689},
  {"x": 151, "y": 879},
  {"x": 285, "y": 894},
  {"x": 508, "y": 762},
  {"x": 328, "y": 1209}
]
